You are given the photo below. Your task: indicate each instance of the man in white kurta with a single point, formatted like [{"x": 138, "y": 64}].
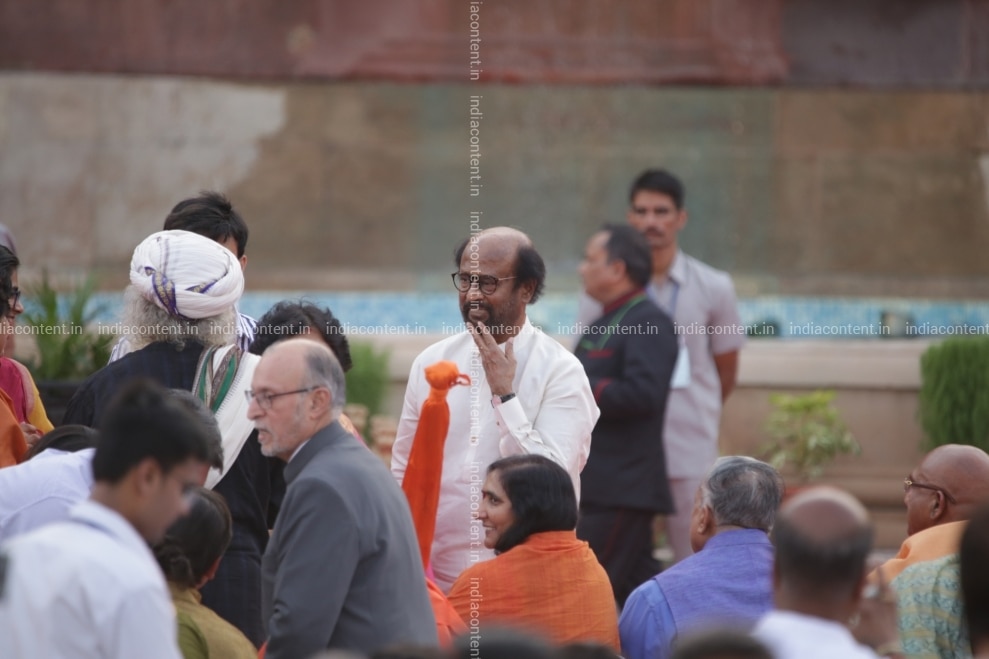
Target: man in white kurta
[{"x": 527, "y": 394}]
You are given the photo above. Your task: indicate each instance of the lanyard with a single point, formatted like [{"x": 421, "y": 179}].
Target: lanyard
[
  {"x": 588, "y": 344},
  {"x": 670, "y": 308}
]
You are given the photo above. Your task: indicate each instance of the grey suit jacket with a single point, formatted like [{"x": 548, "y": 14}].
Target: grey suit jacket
[{"x": 342, "y": 568}]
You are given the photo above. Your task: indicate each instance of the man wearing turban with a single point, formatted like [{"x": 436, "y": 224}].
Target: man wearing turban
[{"x": 180, "y": 319}]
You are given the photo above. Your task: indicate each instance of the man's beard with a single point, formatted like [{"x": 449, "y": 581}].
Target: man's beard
[{"x": 497, "y": 321}]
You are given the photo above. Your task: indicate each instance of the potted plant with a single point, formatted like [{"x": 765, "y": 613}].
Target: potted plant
[
  {"x": 68, "y": 350},
  {"x": 806, "y": 432}
]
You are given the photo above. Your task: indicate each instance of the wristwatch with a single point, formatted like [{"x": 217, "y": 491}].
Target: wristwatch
[{"x": 498, "y": 400}]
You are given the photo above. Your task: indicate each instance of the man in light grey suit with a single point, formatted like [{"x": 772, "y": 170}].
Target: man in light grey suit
[{"x": 342, "y": 568}]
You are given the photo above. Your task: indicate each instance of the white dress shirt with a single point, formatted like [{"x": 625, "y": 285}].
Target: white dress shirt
[
  {"x": 43, "y": 489},
  {"x": 84, "y": 588},
  {"x": 790, "y": 635},
  {"x": 552, "y": 414}
]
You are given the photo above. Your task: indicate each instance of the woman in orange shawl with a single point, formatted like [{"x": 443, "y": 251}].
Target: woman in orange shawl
[{"x": 543, "y": 578}]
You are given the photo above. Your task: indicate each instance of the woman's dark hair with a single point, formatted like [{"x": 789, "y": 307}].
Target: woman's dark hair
[
  {"x": 72, "y": 438},
  {"x": 541, "y": 494},
  {"x": 194, "y": 542},
  {"x": 288, "y": 319},
  {"x": 8, "y": 266}
]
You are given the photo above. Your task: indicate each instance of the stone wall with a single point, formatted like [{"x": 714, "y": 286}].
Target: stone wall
[{"x": 367, "y": 185}]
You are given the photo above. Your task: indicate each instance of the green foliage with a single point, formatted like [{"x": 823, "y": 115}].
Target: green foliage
[
  {"x": 67, "y": 349},
  {"x": 367, "y": 381},
  {"x": 806, "y": 432},
  {"x": 954, "y": 405}
]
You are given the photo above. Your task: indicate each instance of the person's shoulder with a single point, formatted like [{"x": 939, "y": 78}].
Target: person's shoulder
[
  {"x": 706, "y": 271},
  {"x": 647, "y": 310}
]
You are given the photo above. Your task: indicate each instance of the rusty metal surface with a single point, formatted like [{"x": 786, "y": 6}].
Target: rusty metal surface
[
  {"x": 887, "y": 43},
  {"x": 524, "y": 41}
]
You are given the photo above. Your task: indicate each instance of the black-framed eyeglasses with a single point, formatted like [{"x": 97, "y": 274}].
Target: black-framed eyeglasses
[
  {"x": 15, "y": 295},
  {"x": 907, "y": 484},
  {"x": 486, "y": 283},
  {"x": 266, "y": 398}
]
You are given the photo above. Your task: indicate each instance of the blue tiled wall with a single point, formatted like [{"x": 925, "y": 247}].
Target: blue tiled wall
[{"x": 793, "y": 317}]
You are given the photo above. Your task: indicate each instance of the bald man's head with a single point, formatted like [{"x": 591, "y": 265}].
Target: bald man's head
[
  {"x": 948, "y": 484},
  {"x": 823, "y": 537},
  {"x": 515, "y": 248}
]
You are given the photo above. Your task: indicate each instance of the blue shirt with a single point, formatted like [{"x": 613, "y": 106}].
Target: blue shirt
[{"x": 728, "y": 583}]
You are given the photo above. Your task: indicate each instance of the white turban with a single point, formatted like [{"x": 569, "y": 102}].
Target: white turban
[{"x": 187, "y": 275}]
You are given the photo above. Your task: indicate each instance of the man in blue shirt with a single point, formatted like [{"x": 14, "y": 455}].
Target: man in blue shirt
[{"x": 729, "y": 583}]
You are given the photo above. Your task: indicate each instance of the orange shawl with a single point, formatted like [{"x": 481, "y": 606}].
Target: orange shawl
[
  {"x": 927, "y": 545},
  {"x": 551, "y": 584}
]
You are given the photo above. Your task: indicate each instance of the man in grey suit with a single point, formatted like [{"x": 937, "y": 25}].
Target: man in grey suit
[{"x": 342, "y": 568}]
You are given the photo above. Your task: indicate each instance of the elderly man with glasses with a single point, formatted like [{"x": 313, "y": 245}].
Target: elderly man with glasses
[
  {"x": 527, "y": 393},
  {"x": 342, "y": 569},
  {"x": 940, "y": 495}
]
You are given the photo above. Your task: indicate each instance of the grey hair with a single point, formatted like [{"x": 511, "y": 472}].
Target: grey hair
[
  {"x": 190, "y": 402},
  {"x": 743, "y": 491},
  {"x": 145, "y": 323},
  {"x": 323, "y": 370}
]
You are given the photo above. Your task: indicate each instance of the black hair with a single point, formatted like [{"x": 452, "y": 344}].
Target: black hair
[
  {"x": 71, "y": 438},
  {"x": 194, "y": 542},
  {"x": 661, "y": 181},
  {"x": 143, "y": 421},
  {"x": 288, "y": 319},
  {"x": 720, "y": 644},
  {"x": 585, "y": 650},
  {"x": 211, "y": 215},
  {"x": 628, "y": 245},
  {"x": 833, "y": 566},
  {"x": 409, "y": 651},
  {"x": 500, "y": 642},
  {"x": 8, "y": 266},
  {"x": 198, "y": 409},
  {"x": 529, "y": 267},
  {"x": 975, "y": 575},
  {"x": 541, "y": 494}
]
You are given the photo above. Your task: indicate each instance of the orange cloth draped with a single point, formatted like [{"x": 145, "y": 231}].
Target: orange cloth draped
[
  {"x": 422, "y": 483},
  {"x": 12, "y": 443},
  {"x": 448, "y": 622},
  {"x": 422, "y": 474},
  {"x": 551, "y": 584},
  {"x": 927, "y": 545}
]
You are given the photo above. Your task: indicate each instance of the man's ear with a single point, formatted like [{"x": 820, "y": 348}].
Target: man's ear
[
  {"x": 705, "y": 521},
  {"x": 322, "y": 400},
  {"x": 243, "y": 262},
  {"x": 146, "y": 475},
  {"x": 528, "y": 288},
  {"x": 939, "y": 507},
  {"x": 681, "y": 219}
]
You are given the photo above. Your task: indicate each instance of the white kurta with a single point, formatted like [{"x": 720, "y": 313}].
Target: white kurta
[
  {"x": 85, "y": 588},
  {"x": 552, "y": 414}
]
